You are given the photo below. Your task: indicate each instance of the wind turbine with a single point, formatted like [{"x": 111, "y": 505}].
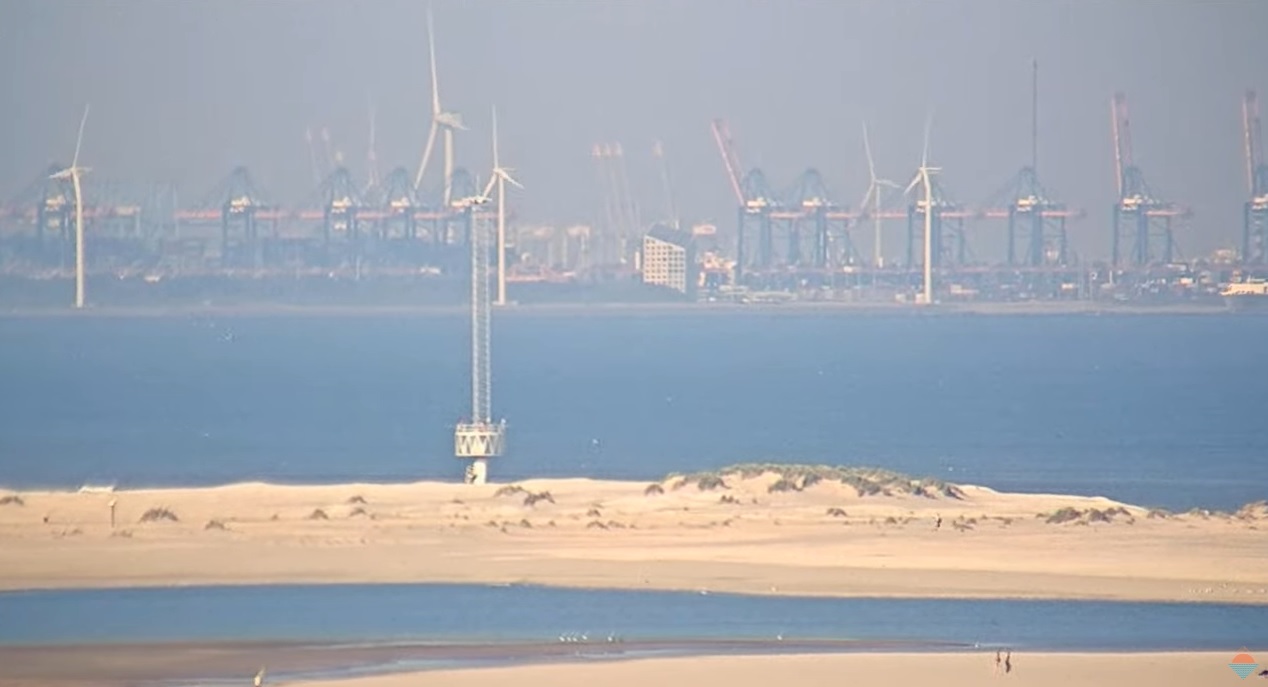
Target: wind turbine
[
  {"x": 874, "y": 196},
  {"x": 440, "y": 119},
  {"x": 922, "y": 177},
  {"x": 501, "y": 176},
  {"x": 74, "y": 172}
]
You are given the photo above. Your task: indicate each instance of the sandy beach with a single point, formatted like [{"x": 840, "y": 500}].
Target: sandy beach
[{"x": 752, "y": 532}]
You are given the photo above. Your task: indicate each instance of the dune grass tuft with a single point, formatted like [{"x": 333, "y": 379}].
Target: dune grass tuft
[
  {"x": 158, "y": 515},
  {"x": 534, "y": 499}
]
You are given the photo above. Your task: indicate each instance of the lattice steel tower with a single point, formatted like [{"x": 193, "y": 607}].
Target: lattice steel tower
[{"x": 481, "y": 438}]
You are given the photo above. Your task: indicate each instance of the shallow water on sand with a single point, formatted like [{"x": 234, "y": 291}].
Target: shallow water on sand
[{"x": 384, "y": 613}]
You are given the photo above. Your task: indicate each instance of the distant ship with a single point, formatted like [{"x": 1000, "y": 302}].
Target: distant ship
[{"x": 1246, "y": 295}]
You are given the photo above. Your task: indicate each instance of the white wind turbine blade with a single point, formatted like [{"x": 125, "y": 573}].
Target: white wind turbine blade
[
  {"x": 867, "y": 149},
  {"x": 867, "y": 197},
  {"x": 924, "y": 155},
  {"x": 914, "y": 181},
  {"x": 496, "y": 164},
  {"x": 431, "y": 51},
  {"x": 488, "y": 188},
  {"x": 506, "y": 174},
  {"x": 427, "y": 150},
  {"x": 79, "y": 140}
]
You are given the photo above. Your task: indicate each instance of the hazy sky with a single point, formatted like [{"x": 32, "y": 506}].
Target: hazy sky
[{"x": 184, "y": 90}]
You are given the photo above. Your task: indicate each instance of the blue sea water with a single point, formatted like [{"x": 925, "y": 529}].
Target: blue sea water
[
  {"x": 1160, "y": 410},
  {"x": 400, "y": 613}
]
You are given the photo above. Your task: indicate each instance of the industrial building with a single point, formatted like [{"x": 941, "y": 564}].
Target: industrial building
[{"x": 669, "y": 260}]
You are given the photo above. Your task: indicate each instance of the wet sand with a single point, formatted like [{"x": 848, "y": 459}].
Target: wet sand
[
  {"x": 856, "y": 670},
  {"x": 128, "y": 664}
]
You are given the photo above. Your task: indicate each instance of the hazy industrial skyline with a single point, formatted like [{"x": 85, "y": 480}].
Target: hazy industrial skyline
[{"x": 185, "y": 91}]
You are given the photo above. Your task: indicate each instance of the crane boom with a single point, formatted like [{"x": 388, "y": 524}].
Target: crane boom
[
  {"x": 1254, "y": 142},
  {"x": 722, "y": 135},
  {"x": 1122, "y": 138}
]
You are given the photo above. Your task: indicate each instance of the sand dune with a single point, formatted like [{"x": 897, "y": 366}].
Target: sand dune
[
  {"x": 857, "y": 670},
  {"x": 751, "y": 531}
]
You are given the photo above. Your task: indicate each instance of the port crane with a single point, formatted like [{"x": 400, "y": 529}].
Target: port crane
[
  {"x": 1034, "y": 219},
  {"x": 754, "y": 197},
  {"x": 1037, "y": 234},
  {"x": 810, "y": 203},
  {"x": 1141, "y": 220}
]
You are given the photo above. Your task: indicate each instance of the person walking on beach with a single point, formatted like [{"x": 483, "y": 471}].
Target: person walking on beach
[
  {"x": 1008, "y": 662},
  {"x": 999, "y": 660}
]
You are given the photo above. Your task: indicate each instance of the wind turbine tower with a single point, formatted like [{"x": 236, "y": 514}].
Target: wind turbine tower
[
  {"x": 481, "y": 438},
  {"x": 922, "y": 177},
  {"x": 74, "y": 172},
  {"x": 440, "y": 119}
]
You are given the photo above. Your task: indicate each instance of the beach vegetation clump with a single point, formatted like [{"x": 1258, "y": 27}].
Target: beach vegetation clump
[
  {"x": 11, "y": 500},
  {"x": 783, "y": 484},
  {"x": 866, "y": 481},
  {"x": 1063, "y": 515},
  {"x": 356, "y": 498},
  {"x": 358, "y": 511},
  {"x": 711, "y": 482},
  {"x": 534, "y": 499},
  {"x": 653, "y": 490},
  {"x": 727, "y": 498},
  {"x": 1252, "y": 511},
  {"x": 1084, "y": 517},
  {"x": 318, "y": 514},
  {"x": 215, "y": 524},
  {"x": 594, "y": 513},
  {"x": 508, "y": 490},
  {"x": 596, "y": 525},
  {"x": 837, "y": 513},
  {"x": 158, "y": 515}
]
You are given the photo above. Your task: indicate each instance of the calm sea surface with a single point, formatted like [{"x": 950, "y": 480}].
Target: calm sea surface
[
  {"x": 384, "y": 613},
  {"x": 1157, "y": 410}
]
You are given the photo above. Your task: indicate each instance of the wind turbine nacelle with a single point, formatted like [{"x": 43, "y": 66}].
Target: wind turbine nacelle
[{"x": 453, "y": 120}]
